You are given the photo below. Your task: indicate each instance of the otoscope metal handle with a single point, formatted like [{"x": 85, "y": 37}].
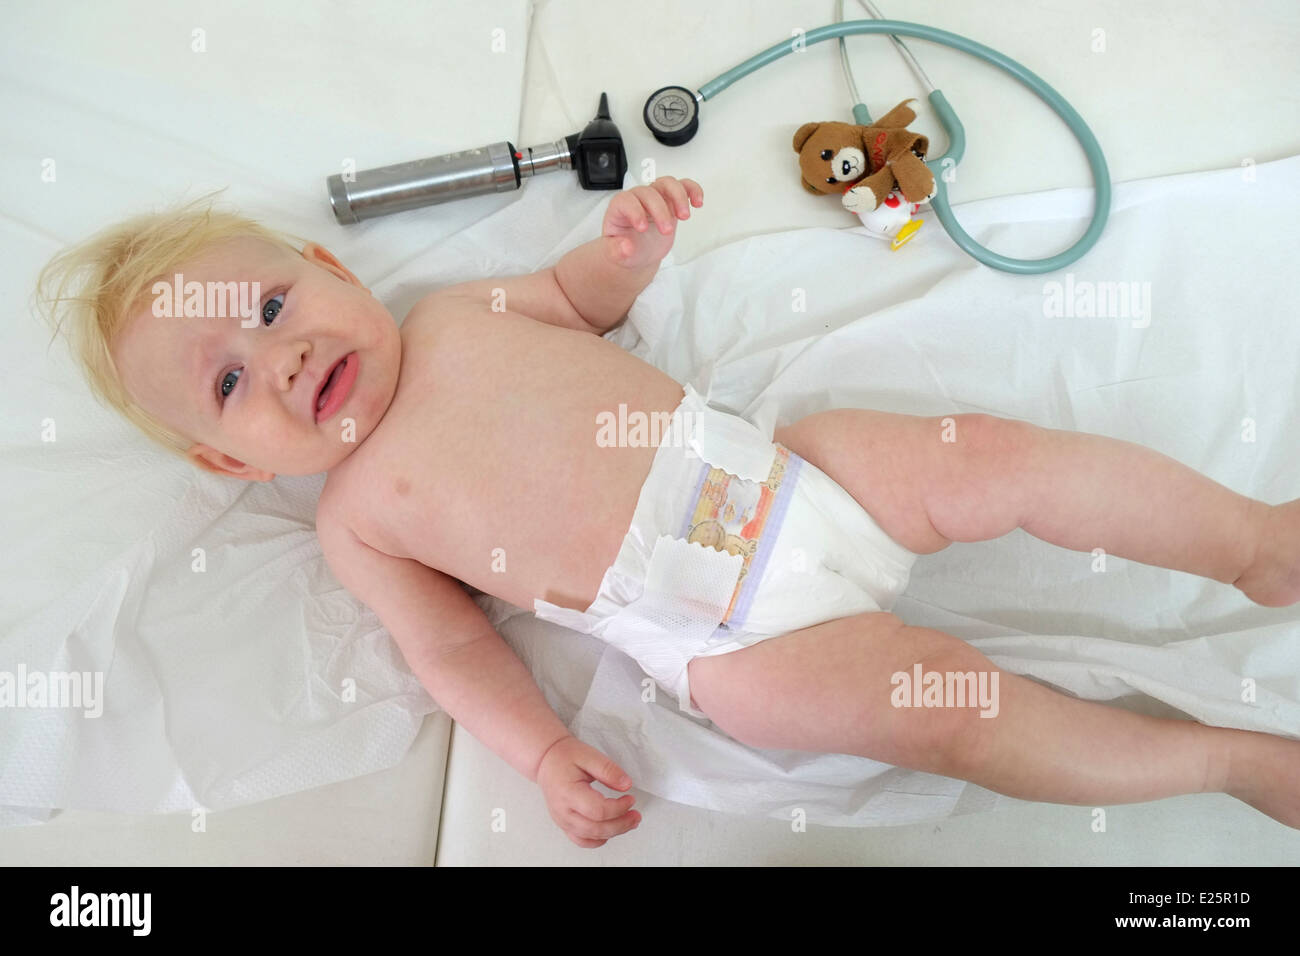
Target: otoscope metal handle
[{"x": 423, "y": 182}]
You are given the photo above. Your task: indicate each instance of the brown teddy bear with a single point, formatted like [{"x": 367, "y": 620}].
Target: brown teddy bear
[{"x": 866, "y": 162}]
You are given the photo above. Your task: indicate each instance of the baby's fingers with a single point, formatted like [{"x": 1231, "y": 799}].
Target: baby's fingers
[
  {"x": 695, "y": 191},
  {"x": 591, "y": 761},
  {"x": 576, "y": 825},
  {"x": 657, "y": 206},
  {"x": 675, "y": 193},
  {"x": 592, "y": 805}
]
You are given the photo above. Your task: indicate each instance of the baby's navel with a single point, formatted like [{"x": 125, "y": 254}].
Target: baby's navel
[{"x": 403, "y": 486}]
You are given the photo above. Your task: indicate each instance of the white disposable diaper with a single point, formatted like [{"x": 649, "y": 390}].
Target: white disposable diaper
[{"x": 734, "y": 539}]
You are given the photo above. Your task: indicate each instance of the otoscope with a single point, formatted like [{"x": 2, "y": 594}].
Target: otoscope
[{"x": 596, "y": 154}]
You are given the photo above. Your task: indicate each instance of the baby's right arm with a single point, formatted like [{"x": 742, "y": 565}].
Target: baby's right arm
[
  {"x": 450, "y": 645},
  {"x": 477, "y": 678}
]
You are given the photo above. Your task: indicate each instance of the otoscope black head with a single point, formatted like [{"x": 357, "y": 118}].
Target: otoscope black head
[{"x": 597, "y": 152}]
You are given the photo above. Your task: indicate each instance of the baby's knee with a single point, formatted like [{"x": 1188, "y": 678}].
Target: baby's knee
[
  {"x": 987, "y": 439},
  {"x": 947, "y": 702}
]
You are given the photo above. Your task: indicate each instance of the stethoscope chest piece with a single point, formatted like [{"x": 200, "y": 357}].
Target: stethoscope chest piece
[{"x": 672, "y": 115}]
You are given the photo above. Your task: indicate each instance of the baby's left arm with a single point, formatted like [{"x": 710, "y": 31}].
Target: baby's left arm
[
  {"x": 594, "y": 285},
  {"x": 603, "y": 278}
]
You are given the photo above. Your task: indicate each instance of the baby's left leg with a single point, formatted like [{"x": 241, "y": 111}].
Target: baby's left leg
[
  {"x": 929, "y": 481},
  {"x": 833, "y": 688}
]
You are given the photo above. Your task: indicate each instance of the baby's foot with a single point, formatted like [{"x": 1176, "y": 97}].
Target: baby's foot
[
  {"x": 1264, "y": 772},
  {"x": 1274, "y": 579}
]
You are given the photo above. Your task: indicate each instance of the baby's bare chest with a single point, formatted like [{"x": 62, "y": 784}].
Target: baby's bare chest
[{"x": 490, "y": 463}]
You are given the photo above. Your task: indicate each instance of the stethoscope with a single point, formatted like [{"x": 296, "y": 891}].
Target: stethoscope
[{"x": 672, "y": 115}]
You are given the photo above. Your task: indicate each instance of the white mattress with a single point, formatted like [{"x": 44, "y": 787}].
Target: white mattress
[{"x": 751, "y": 191}]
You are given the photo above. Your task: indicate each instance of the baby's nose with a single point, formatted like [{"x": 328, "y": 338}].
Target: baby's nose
[{"x": 288, "y": 363}]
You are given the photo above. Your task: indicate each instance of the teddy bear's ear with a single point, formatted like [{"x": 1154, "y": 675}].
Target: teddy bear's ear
[{"x": 802, "y": 133}]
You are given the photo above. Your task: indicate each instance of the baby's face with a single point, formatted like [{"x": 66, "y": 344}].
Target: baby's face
[{"x": 248, "y": 396}]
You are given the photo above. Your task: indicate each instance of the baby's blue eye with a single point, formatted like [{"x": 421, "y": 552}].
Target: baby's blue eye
[
  {"x": 269, "y": 313},
  {"x": 272, "y": 308}
]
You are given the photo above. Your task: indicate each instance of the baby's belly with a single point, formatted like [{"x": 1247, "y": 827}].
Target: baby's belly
[
  {"x": 548, "y": 527},
  {"x": 492, "y": 464}
]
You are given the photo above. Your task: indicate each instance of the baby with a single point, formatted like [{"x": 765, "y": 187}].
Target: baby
[{"x": 483, "y": 443}]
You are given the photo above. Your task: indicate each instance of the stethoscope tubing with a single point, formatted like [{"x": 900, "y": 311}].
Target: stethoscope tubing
[{"x": 957, "y": 134}]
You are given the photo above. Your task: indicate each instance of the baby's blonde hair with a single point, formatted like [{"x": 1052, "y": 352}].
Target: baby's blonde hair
[{"x": 94, "y": 287}]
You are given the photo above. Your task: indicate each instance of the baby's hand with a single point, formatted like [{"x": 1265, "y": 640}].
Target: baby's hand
[
  {"x": 628, "y": 218},
  {"x": 586, "y": 817}
]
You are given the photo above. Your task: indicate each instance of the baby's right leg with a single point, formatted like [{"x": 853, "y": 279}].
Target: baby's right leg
[{"x": 828, "y": 689}]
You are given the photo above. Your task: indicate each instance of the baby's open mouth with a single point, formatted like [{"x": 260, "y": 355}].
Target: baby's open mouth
[{"x": 334, "y": 389}]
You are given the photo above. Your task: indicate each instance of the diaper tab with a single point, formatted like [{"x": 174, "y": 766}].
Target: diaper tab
[
  {"x": 696, "y": 580},
  {"x": 564, "y": 616},
  {"x": 734, "y": 445},
  {"x": 724, "y": 440},
  {"x": 688, "y": 589}
]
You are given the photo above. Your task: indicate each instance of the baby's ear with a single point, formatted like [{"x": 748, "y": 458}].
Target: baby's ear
[
  {"x": 319, "y": 255},
  {"x": 219, "y": 463}
]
